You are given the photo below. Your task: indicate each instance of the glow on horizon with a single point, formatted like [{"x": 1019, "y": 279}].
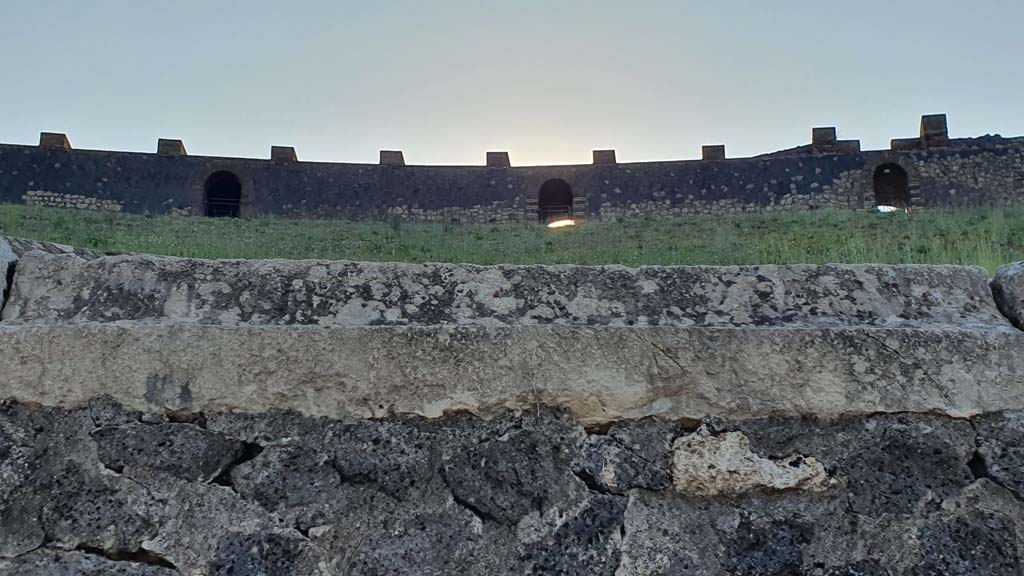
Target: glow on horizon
[{"x": 546, "y": 81}]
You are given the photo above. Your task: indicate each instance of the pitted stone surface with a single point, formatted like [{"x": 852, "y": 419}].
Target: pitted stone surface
[
  {"x": 500, "y": 497},
  {"x": 600, "y": 374},
  {"x": 66, "y": 288},
  {"x": 182, "y": 450},
  {"x": 1008, "y": 289},
  {"x": 609, "y": 466},
  {"x": 887, "y": 462},
  {"x": 1001, "y": 447}
]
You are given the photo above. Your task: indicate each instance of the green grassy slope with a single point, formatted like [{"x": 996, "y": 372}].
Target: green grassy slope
[{"x": 983, "y": 237}]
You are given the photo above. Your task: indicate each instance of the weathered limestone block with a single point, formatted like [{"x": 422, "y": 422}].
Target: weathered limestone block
[
  {"x": 12, "y": 249},
  {"x": 228, "y": 292},
  {"x": 712, "y": 465},
  {"x": 601, "y": 374},
  {"x": 1008, "y": 289}
]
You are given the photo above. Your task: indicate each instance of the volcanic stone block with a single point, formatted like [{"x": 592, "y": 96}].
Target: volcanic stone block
[
  {"x": 888, "y": 463},
  {"x": 183, "y": 450},
  {"x": 610, "y": 467},
  {"x": 508, "y": 496},
  {"x": 54, "y": 140},
  {"x": 1001, "y": 448},
  {"x": 168, "y": 147}
]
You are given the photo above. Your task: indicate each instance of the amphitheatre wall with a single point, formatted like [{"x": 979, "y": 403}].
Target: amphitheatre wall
[
  {"x": 829, "y": 173},
  {"x": 175, "y": 416}
]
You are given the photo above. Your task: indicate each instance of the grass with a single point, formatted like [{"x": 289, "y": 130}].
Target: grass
[{"x": 987, "y": 238}]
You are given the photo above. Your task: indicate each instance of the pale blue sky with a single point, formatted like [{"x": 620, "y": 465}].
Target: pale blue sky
[{"x": 446, "y": 81}]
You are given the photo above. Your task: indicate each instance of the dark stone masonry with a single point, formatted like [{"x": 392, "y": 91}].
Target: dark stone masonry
[
  {"x": 105, "y": 490},
  {"x": 930, "y": 171}
]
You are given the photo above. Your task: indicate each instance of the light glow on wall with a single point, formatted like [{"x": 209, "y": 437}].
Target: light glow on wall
[{"x": 561, "y": 223}]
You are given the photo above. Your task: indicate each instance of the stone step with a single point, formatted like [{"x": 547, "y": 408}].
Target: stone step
[
  {"x": 70, "y": 288},
  {"x": 601, "y": 374}
]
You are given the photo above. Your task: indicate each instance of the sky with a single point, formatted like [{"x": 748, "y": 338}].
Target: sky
[{"x": 447, "y": 80}]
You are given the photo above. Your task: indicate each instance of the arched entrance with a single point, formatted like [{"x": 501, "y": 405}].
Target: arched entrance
[
  {"x": 892, "y": 187},
  {"x": 222, "y": 195},
  {"x": 554, "y": 201}
]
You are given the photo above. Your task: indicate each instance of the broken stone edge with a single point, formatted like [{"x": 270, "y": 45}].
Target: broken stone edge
[{"x": 1008, "y": 291}]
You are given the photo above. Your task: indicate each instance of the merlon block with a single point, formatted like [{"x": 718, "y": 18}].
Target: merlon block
[
  {"x": 169, "y": 147},
  {"x": 824, "y": 140},
  {"x": 54, "y": 140},
  {"x": 283, "y": 154},
  {"x": 934, "y": 130},
  {"x": 498, "y": 160},
  {"x": 713, "y": 152},
  {"x": 392, "y": 158}
]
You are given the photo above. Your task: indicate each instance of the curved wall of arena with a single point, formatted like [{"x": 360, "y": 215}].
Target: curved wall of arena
[{"x": 936, "y": 172}]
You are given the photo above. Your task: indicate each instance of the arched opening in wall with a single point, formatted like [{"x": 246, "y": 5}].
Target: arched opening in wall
[
  {"x": 222, "y": 195},
  {"x": 554, "y": 203},
  {"x": 892, "y": 188}
]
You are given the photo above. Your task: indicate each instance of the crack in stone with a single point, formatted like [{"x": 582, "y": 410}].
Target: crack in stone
[
  {"x": 8, "y": 287},
  {"x": 139, "y": 556},
  {"x": 249, "y": 451},
  {"x": 899, "y": 355},
  {"x": 480, "y": 514},
  {"x": 592, "y": 485},
  {"x": 665, "y": 353}
]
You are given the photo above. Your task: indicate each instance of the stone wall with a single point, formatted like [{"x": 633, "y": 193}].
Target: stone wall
[
  {"x": 104, "y": 490},
  {"x": 77, "y": 201},
  {"x": 977, "y": 172},
  {"x": 173, "y": 416}
]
